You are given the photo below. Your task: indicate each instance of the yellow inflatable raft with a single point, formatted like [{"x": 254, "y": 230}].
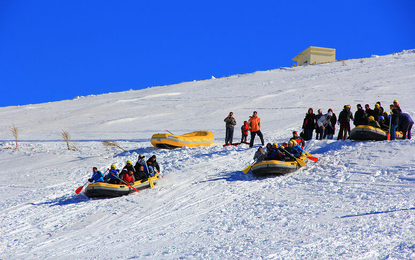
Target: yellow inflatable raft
[
  {"x": 170, "y": 141},
  {"x": 108, "y": 190},
  {"x": 276, "y": 167}
]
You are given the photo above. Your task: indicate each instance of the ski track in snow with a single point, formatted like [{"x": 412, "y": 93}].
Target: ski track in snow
[{"x": 356, "y": 202}]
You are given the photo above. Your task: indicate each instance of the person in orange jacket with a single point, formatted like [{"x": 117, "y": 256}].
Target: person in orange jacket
[{"x": 255, "y": 123}]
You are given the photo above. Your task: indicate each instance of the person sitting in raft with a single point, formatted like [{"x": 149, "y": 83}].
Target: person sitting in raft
[
  {"x": 129, "y": 166},
  {"x": 372, "y": 122},
  {"x": 112, "y": 175},
  {"x": 259, "y": 154},
  {"x": 269, "y": 150},
  {"x": 140, "y": 162},
  {"x": 97, "y": 176},
  {"x": 153, "y": 161},
  {"x": 129, "y": 177},
  {"x": 298, "y": 139},
  {"x": 294, "y": 149},
  {"x": 383, "y": 126},
  {"x": 149, "y": 169},
  {"x": 276, "y": 154},
  {"x": 139, "y": 174}
]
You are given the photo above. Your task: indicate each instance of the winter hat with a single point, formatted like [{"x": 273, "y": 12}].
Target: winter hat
[
  {"x": 330, "y": 110},
  {"x": 359, "y": 105}
]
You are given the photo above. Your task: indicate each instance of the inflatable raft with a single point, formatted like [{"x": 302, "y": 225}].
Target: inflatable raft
[
  {"x": 108, "y": 190},
  {"x": 169, "y": 141},
  {"x": 275, "y": 167},
  {"x": 365, "y": 133}
]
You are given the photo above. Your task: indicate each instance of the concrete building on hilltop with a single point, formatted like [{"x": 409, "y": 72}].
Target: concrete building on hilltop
[{"x": 315, "y": 55}]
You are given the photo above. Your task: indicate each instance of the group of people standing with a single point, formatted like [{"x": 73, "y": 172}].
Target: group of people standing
[
  {"x": 142, "y": 170},
  {"x": 325, "y": 124},
  {"x": 253, "y": 125}
]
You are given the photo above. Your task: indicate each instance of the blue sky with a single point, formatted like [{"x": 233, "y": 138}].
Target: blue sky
[{"x": 57, "y": 50}]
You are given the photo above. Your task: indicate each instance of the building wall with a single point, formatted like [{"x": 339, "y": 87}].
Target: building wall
[{"x": 314, "y": 55}]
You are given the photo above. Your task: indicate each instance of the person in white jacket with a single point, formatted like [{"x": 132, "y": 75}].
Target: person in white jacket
[{"x": 323, "y": 122}]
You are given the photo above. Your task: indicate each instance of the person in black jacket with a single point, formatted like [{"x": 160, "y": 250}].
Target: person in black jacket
[
  {"x": 152, "y": 161},
  {"x": 405, "y": 124},
  {"x": 344, "y": 120},
  {"x": 360, "y": 116},
  {"x": 368, "y": 110},
  {"x": 377, "y": 112},
  {"x": 139, "y": 174},
  {"x": 329, "y": 131},
  {"x": 309, "y": 124}
]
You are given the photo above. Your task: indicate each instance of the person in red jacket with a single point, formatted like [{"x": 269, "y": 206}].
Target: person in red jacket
[
  {"x": 129, "y": 177},
  {"x": 300, "y": 141},
  {"x": 255, "y": 123},
  {"x": 245, "y": 130}
]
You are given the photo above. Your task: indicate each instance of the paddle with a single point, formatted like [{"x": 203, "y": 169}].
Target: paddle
[
  {"x": 149, "y": 176},
  {"x": 169, "y": 132},
  {"x": 127, "y": 183},
  {"x": 315, "y": 159},
  {"x": 80, "y": 188},
  {"x": 388, "y": 138},
  {"x": 309, "y": 156},
  {"x": 298, "y": 160},
  {"x": 248, "y": 168}
]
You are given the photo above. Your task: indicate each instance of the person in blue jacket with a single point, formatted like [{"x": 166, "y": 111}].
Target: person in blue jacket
[
  {"x": 112, "y": 175},
  {"x": 294, "y": 149},
  {"x": 405, "y": 125},
  {"x": 97, "y": 176}
]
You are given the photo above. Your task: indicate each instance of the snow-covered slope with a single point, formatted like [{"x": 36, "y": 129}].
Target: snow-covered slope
[{"x": 357, "y": 202}]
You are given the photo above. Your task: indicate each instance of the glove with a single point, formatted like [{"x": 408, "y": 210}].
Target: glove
[{"x": 90, "y": 180}]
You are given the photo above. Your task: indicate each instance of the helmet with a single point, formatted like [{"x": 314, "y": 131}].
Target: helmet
[
  {"x": 348, "y": 106},
  {"x": 113, "y": 166},
  {"x": 395, "y": 101},
  {"x": 285, "y": 144},
  {"x": 381, "y": 118},
  {"x": 386, "y": 113},
  {"x": 294, "y": 142},
  {"x": 129, "y": 162},
  {"x": 371, "y": 118},
  {"x": 141, "y": 156},
  {"x": 276, "y": 145},
  {"x": 377, "y": 105}
]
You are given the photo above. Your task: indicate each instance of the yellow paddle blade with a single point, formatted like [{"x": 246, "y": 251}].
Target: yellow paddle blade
[
  {"x": 151, "y": 183},
  {"x": 247, "y": 169},
  {"x": 300, "y": 162}
]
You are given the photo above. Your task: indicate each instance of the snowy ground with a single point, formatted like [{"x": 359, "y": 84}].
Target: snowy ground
[{"x": 357, "y": 202}]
